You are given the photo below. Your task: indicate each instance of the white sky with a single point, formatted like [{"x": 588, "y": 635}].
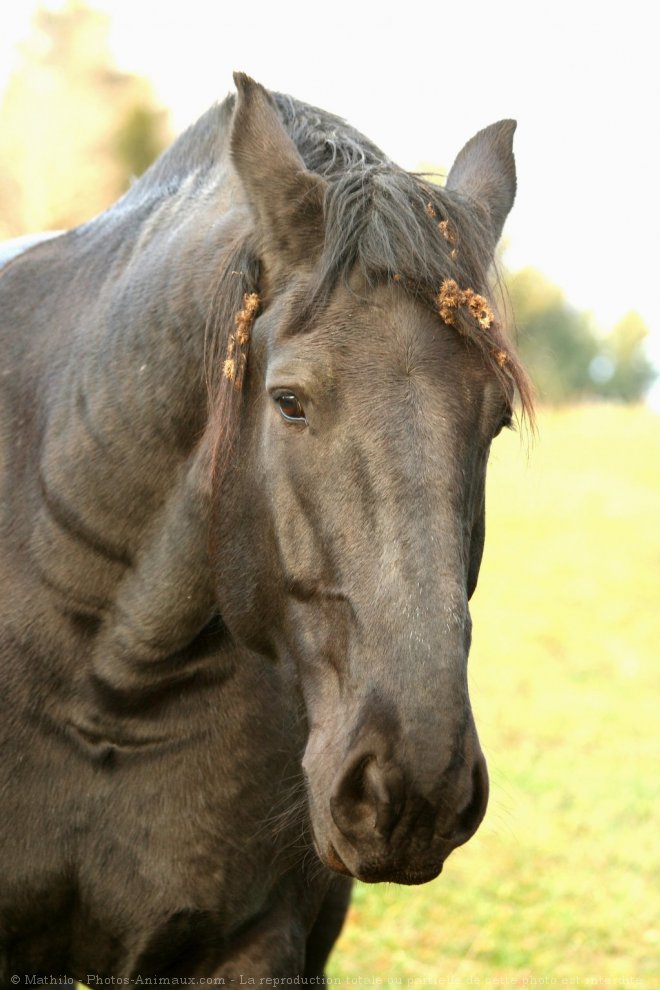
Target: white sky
[{"x": 582, "y": 78}]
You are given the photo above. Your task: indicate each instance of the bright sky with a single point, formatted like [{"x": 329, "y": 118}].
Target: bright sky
[{"x": 420, "y": 78}]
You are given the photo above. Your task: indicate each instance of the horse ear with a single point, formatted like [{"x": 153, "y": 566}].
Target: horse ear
[
  {"x": 286, "y": 198},
  {"x": 485, "y": 172}
]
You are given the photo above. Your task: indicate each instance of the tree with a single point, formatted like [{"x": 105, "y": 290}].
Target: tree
[
  {"x": 566, "y": 355},
  {"x": 73, "y": 129},
  {"x": 631, "y": 371}
]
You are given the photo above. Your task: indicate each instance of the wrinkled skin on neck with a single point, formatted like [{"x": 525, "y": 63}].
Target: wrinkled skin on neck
[{"x": 350, "y": 543}]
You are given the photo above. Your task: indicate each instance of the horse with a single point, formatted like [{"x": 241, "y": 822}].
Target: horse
[{"x": 246, "y": 417}]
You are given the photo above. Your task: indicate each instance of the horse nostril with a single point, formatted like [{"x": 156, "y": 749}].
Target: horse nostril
[
  {"x": 368, "y": 798},
  {"x": 348, "y": 795},
  {"x": 387, "y": 796},
  {"x": 472, "y": 815}
]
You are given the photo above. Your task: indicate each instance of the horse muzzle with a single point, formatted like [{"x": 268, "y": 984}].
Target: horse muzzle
[{"x": 383, "y": 826}]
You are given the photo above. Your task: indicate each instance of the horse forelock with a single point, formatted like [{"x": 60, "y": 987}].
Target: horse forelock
[{"x": 394, "y": 226}]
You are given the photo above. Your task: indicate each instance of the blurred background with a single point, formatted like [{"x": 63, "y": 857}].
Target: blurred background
[{"x": 559, "y": 882}]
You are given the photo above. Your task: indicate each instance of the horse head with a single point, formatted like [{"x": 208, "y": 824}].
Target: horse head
[{"x": 348, "y": 525}]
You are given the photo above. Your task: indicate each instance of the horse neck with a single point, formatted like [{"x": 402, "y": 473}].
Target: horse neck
[
  {"x": 116, "y": 381},
  {"x": 126, "y": 409},
  {"x": 154, "y": 316}
]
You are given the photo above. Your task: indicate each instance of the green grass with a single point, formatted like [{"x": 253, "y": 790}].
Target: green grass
[{"x": 562, "y": 881}]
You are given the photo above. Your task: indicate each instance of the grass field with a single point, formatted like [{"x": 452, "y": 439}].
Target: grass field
[{"x": 561, "y": 885}]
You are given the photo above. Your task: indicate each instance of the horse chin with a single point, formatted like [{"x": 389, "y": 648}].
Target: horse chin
[
  {"x": 409, "y": 878},
  {"x": 374, "y": 873}
]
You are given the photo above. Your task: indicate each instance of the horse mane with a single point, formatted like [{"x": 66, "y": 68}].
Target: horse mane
[{"x": 391, "y": 225}]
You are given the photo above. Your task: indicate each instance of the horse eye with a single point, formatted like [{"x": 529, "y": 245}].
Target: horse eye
[
  {"x": 505, "y": 423},
  {"x": 290, "y": 407}
]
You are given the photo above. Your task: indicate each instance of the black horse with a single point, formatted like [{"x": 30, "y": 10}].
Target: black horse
[{"x": 245, "y": 421}]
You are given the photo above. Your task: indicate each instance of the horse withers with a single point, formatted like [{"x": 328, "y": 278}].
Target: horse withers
[{"x": 245, "y": 421}]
